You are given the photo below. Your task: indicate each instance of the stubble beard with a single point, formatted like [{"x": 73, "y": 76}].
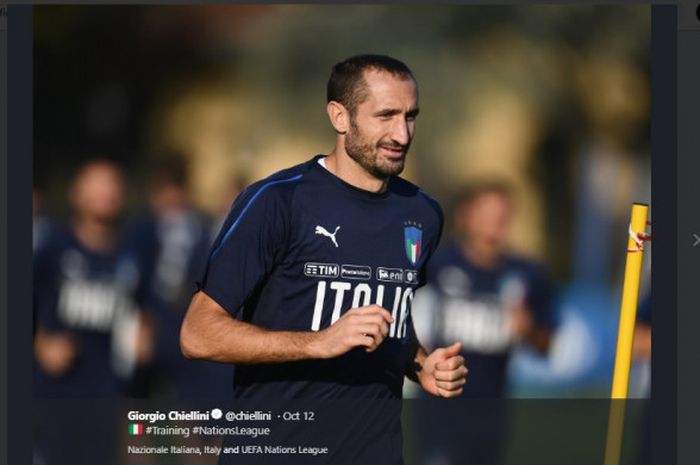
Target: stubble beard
[{"x": 367, "y": 154}]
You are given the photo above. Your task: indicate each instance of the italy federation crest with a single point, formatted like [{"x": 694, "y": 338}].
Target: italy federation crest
[{"x": 412, "y": 240}]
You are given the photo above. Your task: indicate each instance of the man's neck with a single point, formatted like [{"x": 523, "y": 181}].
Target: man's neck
[
  {"x": 342, "y": 165},
  {"x": 94, "y": 235},
  {"x": 480, "y": 256}
]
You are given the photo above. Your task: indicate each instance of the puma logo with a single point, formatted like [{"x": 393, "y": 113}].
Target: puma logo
[{"x": 324, "y": 232}]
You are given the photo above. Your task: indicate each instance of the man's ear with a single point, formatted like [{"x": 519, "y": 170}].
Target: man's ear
[{"x": 339, "y": 116}]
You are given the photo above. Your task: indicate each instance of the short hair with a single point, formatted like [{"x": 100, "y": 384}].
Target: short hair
[
  {"x": 103, "y": 162},
  {"x": 347, "y": 84},
  {"x": 471, "y": 192}
]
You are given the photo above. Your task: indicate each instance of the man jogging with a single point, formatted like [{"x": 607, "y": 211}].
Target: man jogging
[{"x": 308, "y": 287}]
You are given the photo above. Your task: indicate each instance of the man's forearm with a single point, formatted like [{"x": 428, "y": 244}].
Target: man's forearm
[{"x": 210, "y": 333}]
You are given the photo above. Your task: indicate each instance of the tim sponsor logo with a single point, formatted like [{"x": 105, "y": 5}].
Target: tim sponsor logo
[{"x": 322, "y": 270}]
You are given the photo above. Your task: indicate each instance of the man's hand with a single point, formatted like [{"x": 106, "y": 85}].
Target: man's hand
[
  {"x": 524, "y": 329},
  {"x": 521, "y": 322},
  {"x": 55, "y": 352},
  {"x": 209, "y": 332},
  {"x": 358, "y": 327},
  {"x": 443, "y": 373},
  {"x": 145, "y": 340}
]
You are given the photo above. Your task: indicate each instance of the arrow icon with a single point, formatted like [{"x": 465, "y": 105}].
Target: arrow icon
[{"x": 697, "y": 240}]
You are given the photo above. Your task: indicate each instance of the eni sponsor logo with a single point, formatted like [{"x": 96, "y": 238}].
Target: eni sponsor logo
[{"x": 390, "y": 275}]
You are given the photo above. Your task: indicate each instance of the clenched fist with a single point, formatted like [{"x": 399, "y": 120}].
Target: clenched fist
[
  {"x": 358, "y": 327},
  {"x": 443, "y": 373}
]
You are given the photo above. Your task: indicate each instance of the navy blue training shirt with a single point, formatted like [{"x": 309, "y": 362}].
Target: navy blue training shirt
[
  {"x": 470, "y": 304},
  {"x": 84, "y": 294},
  {"x": 171, "y": 251},
  {"x": 301, "y": 248}
]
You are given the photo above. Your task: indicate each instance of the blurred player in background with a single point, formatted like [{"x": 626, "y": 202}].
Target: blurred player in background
[
  {"x": 90, "y": 334},
  {"x": 480, "y": 294},
  {"x": 171, "y": 242},
  {"x": 484, "y": 296}
]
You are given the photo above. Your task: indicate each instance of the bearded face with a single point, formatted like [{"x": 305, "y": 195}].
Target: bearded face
[
  {"x": 382, "y": 126},
  {"x": 372, "y": 155}
]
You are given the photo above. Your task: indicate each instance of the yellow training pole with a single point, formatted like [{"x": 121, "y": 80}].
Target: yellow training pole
[{"x": 625, "y": 334}]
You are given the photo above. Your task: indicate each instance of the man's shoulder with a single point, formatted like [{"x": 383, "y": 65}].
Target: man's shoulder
[
  {"x": 59, "y": 236},
  {"x": 284, "y": 176},
  {"x": 279, "y": 185},
  {"x": 404, "y": 188},
  {"x": 528, "y": 266},
  {"x": 449, "y": 254}
]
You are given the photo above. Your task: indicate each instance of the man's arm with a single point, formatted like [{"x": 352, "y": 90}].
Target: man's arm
[
  {"x": 526, "y": 329},
  {"x": 55, "y": 351},
  {"x": 441, "y": 373},
  {"x": 641, "y": 347},
  {"x": 209, "y": 332}
]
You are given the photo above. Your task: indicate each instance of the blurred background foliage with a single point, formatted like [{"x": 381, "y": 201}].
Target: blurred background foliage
[{"x": 507, "y": 91}]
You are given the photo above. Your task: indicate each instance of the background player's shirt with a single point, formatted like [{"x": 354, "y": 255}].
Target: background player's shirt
[
  {"x": 644, "y": 310},
  {"x": 87, "y": 295},
  {"x": 171, "y": 251},
  {"x": 470, "y": 304},
  {"x": 301, "y": 248}
]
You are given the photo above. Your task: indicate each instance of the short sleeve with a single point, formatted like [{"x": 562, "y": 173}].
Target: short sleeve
[
  {"x": 439, "y": 222},
  {"x": 251, "y": 242}
]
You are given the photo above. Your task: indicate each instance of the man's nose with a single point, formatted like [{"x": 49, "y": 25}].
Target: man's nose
[{"x": 401, "y": 132}]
